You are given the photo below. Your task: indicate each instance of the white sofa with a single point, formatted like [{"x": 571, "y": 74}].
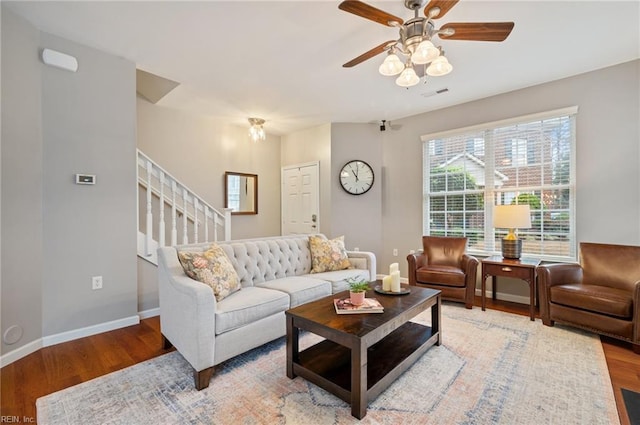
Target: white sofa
[{"x": 275, "y": 276}]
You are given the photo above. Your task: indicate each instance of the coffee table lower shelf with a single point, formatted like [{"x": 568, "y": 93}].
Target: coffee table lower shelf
[{"x": 328, "y": 364}]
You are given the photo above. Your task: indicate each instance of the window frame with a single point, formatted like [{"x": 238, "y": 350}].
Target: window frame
[{"x": 490, "y": 190}]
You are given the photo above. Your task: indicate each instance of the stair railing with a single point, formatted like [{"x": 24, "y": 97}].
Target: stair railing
[{"x": 192, "y": 219}]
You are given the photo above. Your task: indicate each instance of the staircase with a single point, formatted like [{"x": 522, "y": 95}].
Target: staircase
[{"x": 190, "y": 219}]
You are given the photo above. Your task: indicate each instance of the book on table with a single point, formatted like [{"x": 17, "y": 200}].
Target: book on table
[{"x": 370, "y": 305}]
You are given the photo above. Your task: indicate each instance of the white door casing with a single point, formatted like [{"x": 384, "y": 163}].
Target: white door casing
[{"x": 300, "y": 199}]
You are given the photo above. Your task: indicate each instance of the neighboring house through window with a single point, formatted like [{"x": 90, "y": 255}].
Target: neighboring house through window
[{"x": 523, "y": 160}]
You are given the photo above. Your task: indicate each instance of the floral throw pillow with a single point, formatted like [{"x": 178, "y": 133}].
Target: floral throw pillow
[
  {"x": 212, "y": 268},
  {"x": 328, "y": 254}
]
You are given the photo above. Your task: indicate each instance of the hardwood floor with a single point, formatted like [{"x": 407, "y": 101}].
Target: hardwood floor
[{"x": 60, "y": 366}]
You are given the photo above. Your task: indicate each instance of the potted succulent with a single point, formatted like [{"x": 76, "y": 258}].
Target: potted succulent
[{"x": 357, "y": 290}]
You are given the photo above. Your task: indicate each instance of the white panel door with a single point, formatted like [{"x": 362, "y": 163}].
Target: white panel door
[{"x": 300, "y": 195}]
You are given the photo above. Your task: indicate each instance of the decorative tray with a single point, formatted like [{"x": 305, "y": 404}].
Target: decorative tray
[{"x": 403, "y": 290}]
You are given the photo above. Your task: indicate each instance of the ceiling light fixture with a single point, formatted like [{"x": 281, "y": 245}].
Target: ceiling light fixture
[
  {"x": 416, "y": 45},
  {"x": 420, "y": 57},
  {"x": 256, "y": 131},
  {"x": 419, "y": 50}
]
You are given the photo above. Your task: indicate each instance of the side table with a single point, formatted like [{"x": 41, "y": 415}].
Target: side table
[{"x": 524, "y": 268}]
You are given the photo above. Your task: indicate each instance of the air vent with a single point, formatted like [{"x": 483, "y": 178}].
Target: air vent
[{"x": 435, "y": 92}]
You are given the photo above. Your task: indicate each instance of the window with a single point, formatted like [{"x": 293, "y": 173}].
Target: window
[{"x": 524, "y": 160}]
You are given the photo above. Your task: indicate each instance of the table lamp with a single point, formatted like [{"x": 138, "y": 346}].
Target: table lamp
[{"x": 512, "y": 217}]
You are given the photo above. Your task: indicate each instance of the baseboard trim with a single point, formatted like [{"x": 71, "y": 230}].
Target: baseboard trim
[
  {"x": 152, "y": 312},
  {"x": 89, "y": 330},
  {"x": 20, "y": 352}
]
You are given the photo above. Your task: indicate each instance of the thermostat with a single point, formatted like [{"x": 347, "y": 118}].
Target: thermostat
[{"x": 85, "y": 179}]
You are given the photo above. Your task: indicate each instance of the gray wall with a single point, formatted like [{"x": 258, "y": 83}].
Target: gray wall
[
  {"x": 608, "y": 155},
  {"x": 21, "y": 223},
  {"x": 358, "y": 217},
  {"x": 56, "y": 235},
  {"x": 89, "y": 126}
]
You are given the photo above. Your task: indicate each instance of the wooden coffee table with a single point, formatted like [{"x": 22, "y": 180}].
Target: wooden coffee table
[{"x": 363, "y": 353}]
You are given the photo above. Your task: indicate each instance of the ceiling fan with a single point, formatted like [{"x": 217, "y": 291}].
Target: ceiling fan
[{"x": 416, "y": 35}]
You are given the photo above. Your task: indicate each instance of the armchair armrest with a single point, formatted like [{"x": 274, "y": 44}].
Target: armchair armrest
[
  {"x": 364, "y": 260},
  {"x": 187, "y": 311},
  {"x": 554, "y": 274},
  {"x": 415, "y": 261},
  {"x": 470, "y": 264}
]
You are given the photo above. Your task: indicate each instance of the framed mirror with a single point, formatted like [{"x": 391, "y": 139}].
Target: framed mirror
[{"x": 241, "y": 193}]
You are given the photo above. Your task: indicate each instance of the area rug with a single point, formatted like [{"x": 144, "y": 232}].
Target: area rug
[{"x": 492, "y": 368}]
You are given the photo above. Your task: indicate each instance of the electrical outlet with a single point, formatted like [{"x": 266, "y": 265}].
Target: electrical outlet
[
  {"x": 395, "y": 252},
  {"x": 412, "y": 251},
  {"x": 356, "y": 249},
  {"x": 96, "y": 282}
]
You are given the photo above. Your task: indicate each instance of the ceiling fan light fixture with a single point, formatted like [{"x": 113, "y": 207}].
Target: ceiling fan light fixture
[
  {"x": 408, "y": 77},
  {"x": 392, "y": 65},
  {"x": 439, "y": 67},
  {"x": 256, "y": 131},
  {"x": 425, "y": 52}
]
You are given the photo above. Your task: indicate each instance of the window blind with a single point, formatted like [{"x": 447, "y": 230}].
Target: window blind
[{"x": 523, "y": 160}]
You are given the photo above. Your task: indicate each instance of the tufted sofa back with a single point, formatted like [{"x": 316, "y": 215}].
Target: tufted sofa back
[{"x": 264, "y": 259}]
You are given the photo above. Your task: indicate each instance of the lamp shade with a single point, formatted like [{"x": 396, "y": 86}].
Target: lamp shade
[
  {"x": 408, "y": 77},
  {"x": 392, "y": 65},
  {"x": 512, "y": 216},
  {"x": 425, "y": 53},
  {"x": 439, "y": 67}
]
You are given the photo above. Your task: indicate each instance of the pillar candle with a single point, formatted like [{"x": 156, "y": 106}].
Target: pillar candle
[
  {"x": 393, "y": 268},
  {"x": 395, "y": 281},
  {"x": 386, "y": 283}
]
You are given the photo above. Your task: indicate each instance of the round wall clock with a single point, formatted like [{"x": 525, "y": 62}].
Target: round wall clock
[{"x": 356, "y": 177}]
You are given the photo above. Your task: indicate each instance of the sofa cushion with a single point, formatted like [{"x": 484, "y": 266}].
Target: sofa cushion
[
  {"x": 301, "y": 289},
  {"x": 441, "y": 275},
  {"x": 212, "y": 268},
  {"x": 601, "y": 299},
  {"x": 339, "y": 278},
  {"x": 247, "y": 306},
  {"x": 328, "y": 254}
]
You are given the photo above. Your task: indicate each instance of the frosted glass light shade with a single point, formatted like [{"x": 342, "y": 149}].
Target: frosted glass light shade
[
  {"x": 425, "y": 53},
  {"x": 408, "y": 77},
  {"x": 256, "y": 131},
  {"x": 439, "y": 67},
  {"x": 392, "y": 65}
]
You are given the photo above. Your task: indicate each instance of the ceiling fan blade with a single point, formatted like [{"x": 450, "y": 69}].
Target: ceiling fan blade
[
  {"x": 444, "y": 5},
  {"x": 478, "y": 31},
  {"x": 369, "y": 12},
  {"x": 368, "y": 55}
]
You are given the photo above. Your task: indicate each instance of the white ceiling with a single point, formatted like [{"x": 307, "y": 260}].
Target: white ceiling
[{"x": 282, "y": 61}]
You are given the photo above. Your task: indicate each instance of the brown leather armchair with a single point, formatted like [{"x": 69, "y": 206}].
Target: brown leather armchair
[
  {"x": 601, "y": 294},
  {"x": 444, "y": 265}
]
